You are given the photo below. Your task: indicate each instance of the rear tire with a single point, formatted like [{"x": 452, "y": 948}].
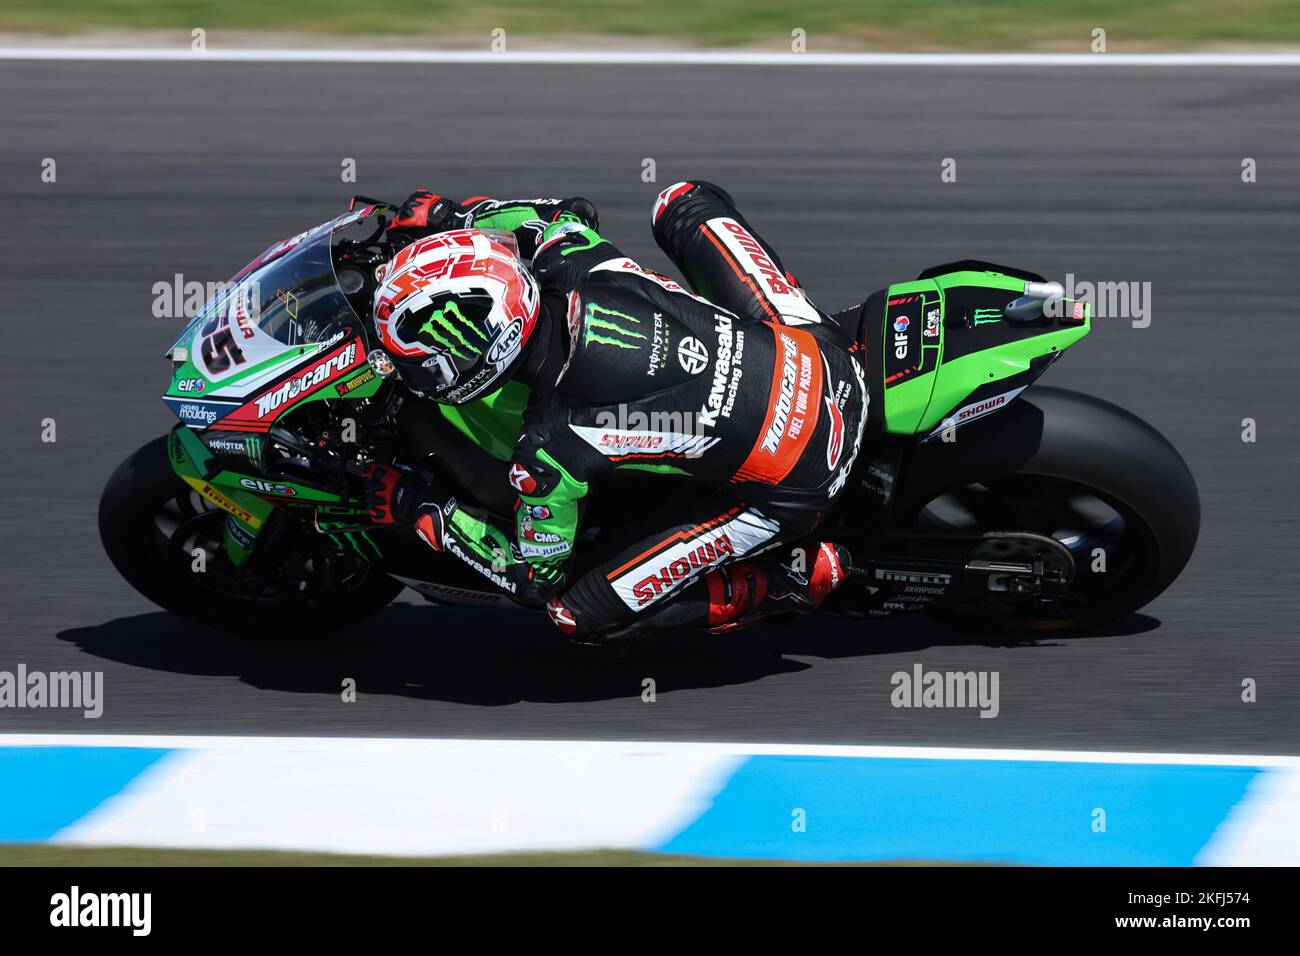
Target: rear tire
[
  {"x": 1054, "y": 439},
  {"x": 140, "y": 491}
]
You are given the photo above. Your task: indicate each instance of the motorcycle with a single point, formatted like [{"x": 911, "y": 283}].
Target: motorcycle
[{"x": 972, "y": 500}]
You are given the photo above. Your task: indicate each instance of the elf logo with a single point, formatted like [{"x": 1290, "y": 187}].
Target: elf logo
[
  {"x": 267, "y": 487},
  {"x": 901, "y": 325}
]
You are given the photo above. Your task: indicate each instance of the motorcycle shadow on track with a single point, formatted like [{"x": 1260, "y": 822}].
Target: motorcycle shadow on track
[{"x": 494, "y": 658}]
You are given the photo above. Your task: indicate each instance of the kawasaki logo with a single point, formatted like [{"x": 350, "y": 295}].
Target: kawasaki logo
[
  {"x": 500, "y": 580},
  {"x": 314, "y": 377},
  {"x": 713, "y": 406},
  {"x": 609, "y": 331}
]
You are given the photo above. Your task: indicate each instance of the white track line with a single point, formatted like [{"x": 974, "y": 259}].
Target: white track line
[
  {"x": 651, "y": 58},
  {"x": 577, "y": 747}
]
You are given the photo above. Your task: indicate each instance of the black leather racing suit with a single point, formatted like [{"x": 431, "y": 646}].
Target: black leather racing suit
[{"x": 742, "y": 385}]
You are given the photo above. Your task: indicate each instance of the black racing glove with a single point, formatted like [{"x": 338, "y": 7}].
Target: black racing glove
[
  {"x": 397, "y": 496},
  {"x": 423, "y": 214}
]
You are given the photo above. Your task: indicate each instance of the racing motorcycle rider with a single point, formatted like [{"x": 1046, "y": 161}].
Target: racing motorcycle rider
[{"x": 748, "y": 389}]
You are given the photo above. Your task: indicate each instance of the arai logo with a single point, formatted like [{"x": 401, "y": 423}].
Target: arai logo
[{"x": 507, "y": 343}]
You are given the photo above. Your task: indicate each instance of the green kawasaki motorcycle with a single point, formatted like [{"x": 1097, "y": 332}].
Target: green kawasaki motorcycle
[{"x": 972, "y": 501}]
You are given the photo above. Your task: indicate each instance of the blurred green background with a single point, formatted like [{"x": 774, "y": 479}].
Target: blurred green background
[{"x": 1064, "y": 25}]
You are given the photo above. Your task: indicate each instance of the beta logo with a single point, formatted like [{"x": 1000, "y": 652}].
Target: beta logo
[{"x": 267, "y": 487}]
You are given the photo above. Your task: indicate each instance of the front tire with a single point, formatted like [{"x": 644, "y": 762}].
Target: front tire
[{"x": 149, "y": 519}]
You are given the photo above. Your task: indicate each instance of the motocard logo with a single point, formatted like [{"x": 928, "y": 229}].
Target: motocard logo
[
  {"x": 310, "y": 380},
  {"x": 796, "y": 383}
]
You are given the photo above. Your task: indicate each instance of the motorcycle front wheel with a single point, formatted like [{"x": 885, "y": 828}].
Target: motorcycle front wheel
[{"x": 156, "y": 530}]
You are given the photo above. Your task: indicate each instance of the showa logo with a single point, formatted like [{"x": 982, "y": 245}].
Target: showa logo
[
  {"x": 179, "y": 299},
  {"x": 624, "y": 433},
  {"x": 1108, "y": 300}
]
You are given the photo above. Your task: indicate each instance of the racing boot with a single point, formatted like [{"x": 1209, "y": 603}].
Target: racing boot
[{"x": 748, "y": 591}]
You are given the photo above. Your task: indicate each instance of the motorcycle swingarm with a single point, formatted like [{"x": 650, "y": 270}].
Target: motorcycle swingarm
[{"x": 917, "y": 569}]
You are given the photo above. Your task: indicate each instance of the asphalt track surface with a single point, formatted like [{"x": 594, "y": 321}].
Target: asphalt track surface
[{"x": 1112, "y": 174}]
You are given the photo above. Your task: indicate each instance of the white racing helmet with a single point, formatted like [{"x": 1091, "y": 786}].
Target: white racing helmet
[{"x": 454, "y": 311}]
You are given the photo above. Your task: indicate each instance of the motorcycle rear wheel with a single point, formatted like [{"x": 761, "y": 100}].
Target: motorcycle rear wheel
[{"x": 1073, "y": 467}]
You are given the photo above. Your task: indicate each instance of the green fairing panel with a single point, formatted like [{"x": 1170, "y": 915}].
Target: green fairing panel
[
  {"x": 491, "y": 422},
  {"x": 919, "y": 404}
]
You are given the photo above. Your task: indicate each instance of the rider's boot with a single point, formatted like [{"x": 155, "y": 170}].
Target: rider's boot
[{"x": 748, "y": 591}]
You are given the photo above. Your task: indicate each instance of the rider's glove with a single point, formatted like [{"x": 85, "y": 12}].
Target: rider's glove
[
  {"x": 395, "y": 496},
  {"x": 423, "y": 214},
  {"x": 431, "y": 525}
]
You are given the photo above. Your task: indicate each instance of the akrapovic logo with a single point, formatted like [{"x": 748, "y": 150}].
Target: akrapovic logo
[{"x": 308, "y": 380}]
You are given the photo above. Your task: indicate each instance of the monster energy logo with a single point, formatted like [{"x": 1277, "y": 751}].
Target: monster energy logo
[
  {"x": 985, "y": 316},
  {"x": 253, "y": 449},
  {"x": 610, "y": 331},
  {"x": 440, "y": 322}
]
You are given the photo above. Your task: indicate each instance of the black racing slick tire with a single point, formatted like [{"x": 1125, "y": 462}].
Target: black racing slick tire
[
  {"x": 148, "y": 520},
  {"x": 1038, "y": 466}
]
